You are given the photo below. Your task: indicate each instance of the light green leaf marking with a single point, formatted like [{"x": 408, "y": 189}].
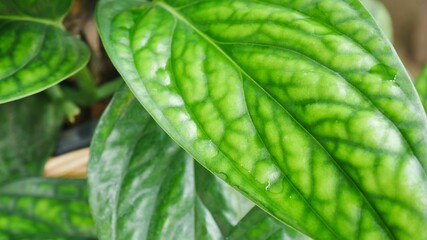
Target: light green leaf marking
[
  {"x": 144, "y": 186},
  {"x": 28, "y": 129},
  {"x": 301, "y": 105},
  {"x": 36, "y": 52},
  {"x": 40, "y": 208}
]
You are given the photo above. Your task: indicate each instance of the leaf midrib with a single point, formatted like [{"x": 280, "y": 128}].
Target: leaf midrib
[
  {"x": 226, "y": 155},
  {"x": 229, "y": 158},
  {"x": 204, "y": 131},
  {"x": 371, "y": 208},
  {"x": 56, "y": 24},
  {"x": 26, "y": 17}
]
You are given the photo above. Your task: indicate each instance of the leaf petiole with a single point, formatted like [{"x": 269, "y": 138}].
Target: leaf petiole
[{"x": 68, "y": 108}]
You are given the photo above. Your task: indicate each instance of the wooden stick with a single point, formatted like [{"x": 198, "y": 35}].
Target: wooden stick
[{"x": 69, "y": 165}]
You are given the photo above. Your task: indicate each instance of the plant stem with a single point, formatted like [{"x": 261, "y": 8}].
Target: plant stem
[
  {"x": 108, "y": 88},
  {"x": 101, "y": 92},
  {"x": 68, "y": 108},
  {"x": 86, "y": 84}
]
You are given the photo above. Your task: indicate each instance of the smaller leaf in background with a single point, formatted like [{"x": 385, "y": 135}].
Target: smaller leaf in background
[
  {"x": 225, "y": 204},
  {"x": 35, "y": 51},
  {"x": 421, "y": 86},
  {"x": 43, "y": 208},
  {"x": 144, "y": 186},
  {"x": 381, "y": 16},
  {"x": 28, "y": 128},
  {"x": 40, "y": 10},
  {"x": 257, "y": 225}
]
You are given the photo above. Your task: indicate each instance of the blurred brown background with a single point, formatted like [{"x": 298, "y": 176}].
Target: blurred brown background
[{"x": 410, "y": 31}]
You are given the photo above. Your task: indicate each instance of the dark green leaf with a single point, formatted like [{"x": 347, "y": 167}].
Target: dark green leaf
[
  {"x": 144, "y": 186},
  {"x": 302, "y": 105},
  {"x": 42, "y": 209},
  {"x": 421, "y": 85},
  {"x": 52, "y": 11},
  {"x": 28, "y": 129},
  {"x": 255, "y": 225},
  {"x": 35, "y": 52}
]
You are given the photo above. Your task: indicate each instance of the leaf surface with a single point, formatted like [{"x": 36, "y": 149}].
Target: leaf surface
[
  {"x": 35, "y": 51},
  {"x": 40, "y": 10},
  {"x": 421, "y": 85},
  {"x": 144, "y": 186},
  {"x": 301, "y": 105},
  {"x": 255, "y": 225},
  {"x": 45, "y": 209},
  {"x": 28, "y": 128}
]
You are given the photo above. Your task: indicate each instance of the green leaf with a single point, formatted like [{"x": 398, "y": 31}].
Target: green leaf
[
  {"x": 144, "y": 186},
  {"x": 28, "y": 128},
  {"x": 35, "y": 51},
  {"x": 292, "y": 102},
  {"x": 40, "y": 10},
  {"x": 421, "y": 85},
  {"x": 380, "y": 13},
  {"x": 255, "y": 225},
  {"x": 42, "y": 209}
]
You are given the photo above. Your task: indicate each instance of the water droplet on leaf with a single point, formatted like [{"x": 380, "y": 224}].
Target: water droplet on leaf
[
  {"x": 384, "y": 72},
  {"x": 222, "y": 175},
  {"x": 275, "y": 187}
]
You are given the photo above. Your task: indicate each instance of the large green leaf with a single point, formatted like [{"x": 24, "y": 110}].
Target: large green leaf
[
  {"x": 144, "y": 186},
  {"x": 35, "y": 51},
  {"x": 301, "y": 105},
  {"x": 421, "y": 84},
  {"x": 45, "y": 209},
  {"x": 28, "y": 133}
]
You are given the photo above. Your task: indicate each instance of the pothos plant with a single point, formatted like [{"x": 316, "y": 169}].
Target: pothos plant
[{"x": 303, "y": 107}]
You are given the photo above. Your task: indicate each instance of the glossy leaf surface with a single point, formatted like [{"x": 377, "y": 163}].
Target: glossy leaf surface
[
  {"x": 301, "y": 105},
  {"x": 421, "y": 84},
  {"x": 144, "y": 186},
  {"x": 35, "y": 51},
  {"x": 45, "y": 209},
  {"x": 28, "y": 128}
]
